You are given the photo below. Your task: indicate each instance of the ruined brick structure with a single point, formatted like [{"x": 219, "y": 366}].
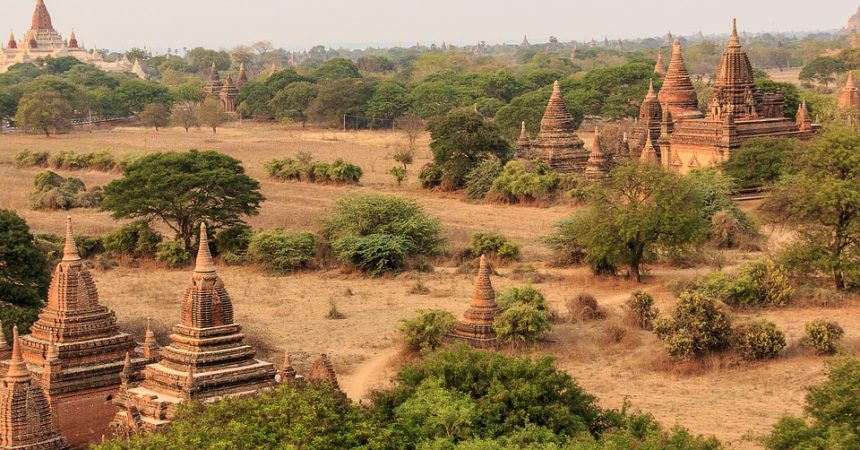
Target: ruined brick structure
[
  {"x": 683, "y": 138},
  {"x": 75, "y": 351},
  {"x": 476, "y": 328},
  {"x": 598, "y": 162},
  {"x": 205, "y": 360},
  {"x": 557, "y": 143},
  {"x": 26, "y": 422},
  {"x": 323, "y": 372},
  {"x": 214, "y": 85}
]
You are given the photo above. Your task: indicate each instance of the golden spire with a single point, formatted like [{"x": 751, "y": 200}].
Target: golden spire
[
  {"x": 17, "y": 367},
  {"x": 70, "y": 250},
  {"x": 204, "y": 264}
]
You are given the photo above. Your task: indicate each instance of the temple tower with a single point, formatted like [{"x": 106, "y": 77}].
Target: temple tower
[
  {"x": 849, "y": 99},
  {"x": 649, "y": 153},
  {"x": 804, "y": 121},
  {"x": 476, "y": 328},
  {"x": 678, "y": 92},
  {"x": 523, "y": 143},
  {"x": 735, "y": 87},
  {"x": 598, "y": 165},
  {"x": 323, "y": 372},
  {"x": 12, "y": 44},
  {"x": 205, "y": 360},
  {"x": 228, "y": 96},
  {"x": 242, "y": 78},
  {"x": 73, "y": 40},
  {"x": 76, "y": 351},
  {"x": 26, "y": 422},
  {"x": 660, "y": 68},
  {"x": 557, "y": 143},
  {"x": 214, "y": 85}
]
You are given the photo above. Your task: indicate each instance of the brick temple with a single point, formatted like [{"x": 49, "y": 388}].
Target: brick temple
[
  {"x": 849, "y": 98},
  {"x": 476, "y": 327},
  {"x": 76, "y": 351},
  {"x": 26, "y": 422},
  {"x": 226, "y": 92},
  {"x": 557, "y": 143},
  {"x": 682, "y": 138},
  {"x": 205, "y": 360}
]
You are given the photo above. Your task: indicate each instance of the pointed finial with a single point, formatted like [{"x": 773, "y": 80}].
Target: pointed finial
[
  {"x": 556, "y": 88},
  {"x": 651, "y": 94},
  {"x": 17, "y": 367},
  {"x": 734, "y": 40},
  {"x": 204, "y": 264},
  {"x": 70, "y": 250},
  {"x": 676, "y": 46},
  {"x": 523, "y": 129}
]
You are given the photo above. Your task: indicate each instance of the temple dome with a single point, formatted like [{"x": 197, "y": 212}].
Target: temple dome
[{"x": 678, "y": 91}]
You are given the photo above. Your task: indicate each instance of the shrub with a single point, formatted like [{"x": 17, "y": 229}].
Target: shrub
[
  {"x": 26, "y": 158},
  {"x": 583, "y": 308},
  {"x": 639, "y": 311},
  {"x": 494, "y": 244},
  {"x": 822, "y": 336},
  {"x": 525, "y": 295},
  {"x": 343, "y": 172},
  {"x": 172, "y": 253},
  {"x": 757, "y": 284},
  {"x": 304, "y": 168},
  {"x": 53, "y": 191},
  {"x": 697, "y": 326},
  {"x": 47, "y": 180},
  {"x": 135, "y": 239},
  {"x": 70, "y": 160},
  {"x": 235, "y": 239},
  {"x": 522, "y": 323},
  {"x": 280, "y": 252},
  {"x": 398, "y": 173},
  {"x": 758, "y": 341},
  {"x": 375, "y": 253},
  {"x": 333, "y": 313},
  {"x": 427, "y": 331},
  {"x": 89, "y": 246},
  {"x": 524, "y": 181},
  {"x": 564, "y": 243},
  {"x": 405, "y": 156},
  {"x": 480, "y": 180},
  {"x": 430, "y": 176},
  {"x": 409, "y": 231},
  {"x": 22, "y": 316},
  {"x": 731, "y": 228}
]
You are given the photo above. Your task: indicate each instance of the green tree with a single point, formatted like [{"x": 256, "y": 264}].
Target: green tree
[
  {"x": 255, "y": 100},
  {"x": 821, "y": 199},
  {"x": 135, "y": 94},
  {"x": 61, "y": 65},
  {"x": 201, "y": 59},
  {"x": 760, "y": 161},
  {"x": 460, "y": 141},
  {"x": 211, "y": 114},
  {"x": 427, "y": 331},
  {"x": 389, "y": 101},
  {"x": 433, "y": 411},
  {"x": 435, "y": 98},
  {"x": 641, "y": 210},
  {"x": 337, "y": 69},
  {"x": 155, "y": 115},
  {"x": 292, "y": 102},
  {"x": 341, "y": 98},
  {"x": 44, "y": 111},
  {"x": 24, "y": 274},
  {"x": 183, "y": 190},
  {"x": 184, "y": 115},
  {"x": 821, "y": 70}
]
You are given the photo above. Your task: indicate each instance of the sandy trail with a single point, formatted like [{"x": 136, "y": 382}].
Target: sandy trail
[{"x": 368, "y": 376}]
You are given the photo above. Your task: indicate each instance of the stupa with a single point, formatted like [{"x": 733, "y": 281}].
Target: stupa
[
  {"x": 214, "y": 85},
  {"x": 849, "y": 99},
  {"x": 598, "y": 163},
  {"x": 228, "y": 95},
  {"x": 75, "y": 351},
  {"x": 243, "y": 76},
  {"x": 323, "y": 372},
  {"x": 557, "y": 143},
  {"x": 684, "y": 138},
  {"x": 476, "y": 328},
  {"x": 205, "y": 360},
  {"x": 26, "y": 422},
  {"x": 660, "y": 68}
]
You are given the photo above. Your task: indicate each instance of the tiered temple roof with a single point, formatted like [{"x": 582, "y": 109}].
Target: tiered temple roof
[
  {"x": 850, "y": 97},
  {"x": 205, "y": 360},
  {"x": 75, "y": 349},
  {"x": 476, "y": 328},
  {"x": 243, "y": 76},
  {"x": 214, "y": 85},
  {"x": 26, "y": 422},
  {"x": 660, "y": 68},
  {"x": 229, "y": 93},
  {"x": 598, "y": 163},
  {"x": 678, "y": 92},
  {"x": 557, "y": 143}
]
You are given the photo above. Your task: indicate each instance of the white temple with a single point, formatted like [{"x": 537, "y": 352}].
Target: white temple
[{"x": 42, "y": 40}]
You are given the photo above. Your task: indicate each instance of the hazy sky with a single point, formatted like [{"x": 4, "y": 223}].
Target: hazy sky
[{"x": 120, "y": 24}]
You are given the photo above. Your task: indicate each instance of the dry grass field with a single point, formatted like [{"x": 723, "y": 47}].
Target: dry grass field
[{"x": 724, "y": 398}]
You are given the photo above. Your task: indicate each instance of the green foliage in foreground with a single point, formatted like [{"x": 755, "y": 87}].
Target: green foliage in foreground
[
  {"x": 452, "y": 399},
  {"x": 697, "y": 327},
  {"x": 832, "y": 414},
  {"x": 24, "y": 274}
]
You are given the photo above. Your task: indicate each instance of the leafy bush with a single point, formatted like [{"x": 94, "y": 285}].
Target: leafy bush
[
  {"x": 697, "y": 327},
  {"x": 24, "y": 269},
  {"x": 522, "y": 323},
  {"x": 427, "y": 331},
  {"x": 523, "y": 181},
  {"x": 732, "y": 228},
  {"x": 54, "y": 192},
  {"x": 280, "y": 252},
  {"x": 22, "y": 316},
  {"x": 563, "y": 241},
  {"x": 583, "y": 308},
  {"x": 822, "y": 336},
  {"x": 430, "y": 176},
  {"x": 172, "y": 253},
  {"x": 135, "y": 239},
  {"x": 70, "y": 160},
  {"x": 758, "y": 340},
  {"x": 399, "y": 174},
  {"x": 480, "y": 180},
  {"x": 26, "y": 158},
  {"x": 235, "y": 239},
  {"x": 304, "y": 168},
  {"x": 757, "y": 284},
  {"x": 525, "y": 295},
  {"x": 494, "y": 244},
  {"x": 381, "y": 233},
  {"x": 639, "y": 311}
]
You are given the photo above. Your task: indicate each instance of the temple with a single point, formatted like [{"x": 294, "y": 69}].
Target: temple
[
  {"x": 598, "y": 162},
  {"x": 76, "y": 351},
  {"x": 849, "y": 99},
  {"x": 557, "y": 143},
  {"x": 42, "y": 41},
  {"x": 476, "y": 328},
  {"x": 681, "y": 137},
  {"x": 323, "y": 372},
  {"x": 26, "y": 422},
  {"x": 225, "y": 92},
  {"x": 205, "y": 360}
]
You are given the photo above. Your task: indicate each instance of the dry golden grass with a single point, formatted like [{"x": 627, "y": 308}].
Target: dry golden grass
[{"x": 279, "y": 313}]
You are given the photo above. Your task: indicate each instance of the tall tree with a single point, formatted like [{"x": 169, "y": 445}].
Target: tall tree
[
  {"x": 46, "y": 112},
  {"x": 184, "y": 189},
  {"x": 155, "y": 115},
  {"x": 389, "y": 101},
  {"x": 291, "y": 103},
  {"x": 24, "y": 274},
  {"x": 460, "y": 141},
  {"x": 211, "y": 113}
]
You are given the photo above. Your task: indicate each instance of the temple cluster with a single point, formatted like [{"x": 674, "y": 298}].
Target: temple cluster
[
  {"x": 77, "y": 377},
  {"x": 227, "y": 91}
]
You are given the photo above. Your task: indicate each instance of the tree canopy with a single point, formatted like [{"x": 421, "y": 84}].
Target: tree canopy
[
  {"x": 462, "y": 139},
  {"x": 24, "y": 274}
]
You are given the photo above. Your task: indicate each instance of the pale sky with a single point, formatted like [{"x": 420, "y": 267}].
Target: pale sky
[{"x": 297, "y": 25}]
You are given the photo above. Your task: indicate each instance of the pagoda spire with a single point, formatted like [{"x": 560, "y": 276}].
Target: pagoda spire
[
  {"x": 17, "y": 367},
  {"x": 12, "y": 44},
  {"x": 804, "y": 122},
  {"x": 150, "y": 344},
  {"x": 649, "y": 153},
  {"x": 734, "y": 40},
  {"x": 73, "y": 40},
  {"x": 243, "y": 76},
  {"x": 850, "y": 97},
  {"x": 596, "y": 168},
  {"x": 288, "y": 373},
  {"x": 476, "y": 327},
  {"x": 651, "y": 95},
  {"x": 323, "y": 372},
  {"x": 204, "y": 263},
  {"x": 678, "y": 93},
  {"x": 660, "y": 68},
  {"x": 70, "y": 249},
  {"x": 41, "y": 18}
]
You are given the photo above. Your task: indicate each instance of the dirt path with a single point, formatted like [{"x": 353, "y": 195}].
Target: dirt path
[{"x": 368, "y": 375}]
